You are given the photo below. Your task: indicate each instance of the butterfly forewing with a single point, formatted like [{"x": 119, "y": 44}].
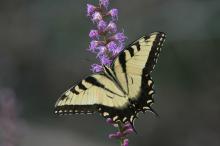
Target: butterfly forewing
[{"x": 133, "y": 66}]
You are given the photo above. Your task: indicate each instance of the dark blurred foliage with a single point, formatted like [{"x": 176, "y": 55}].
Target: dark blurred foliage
[{"x": 43, "y": 52}]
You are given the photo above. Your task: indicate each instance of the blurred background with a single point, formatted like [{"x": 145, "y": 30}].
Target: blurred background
[{"x": 43, "y": 52}]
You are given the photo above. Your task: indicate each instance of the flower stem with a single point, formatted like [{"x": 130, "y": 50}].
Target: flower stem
[{"x": 120, "y": 127}]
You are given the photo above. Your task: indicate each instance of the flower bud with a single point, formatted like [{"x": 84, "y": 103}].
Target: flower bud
[
  {"x": 90, "y": 9},
  {"x": 114, "y": 14},
  {"x": 104, "y": 3},
  {"x": 94, "y": 34},
  {"x": 96, "y": 17}
]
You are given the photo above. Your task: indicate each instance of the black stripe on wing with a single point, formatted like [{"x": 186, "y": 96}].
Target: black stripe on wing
[
  {"x": 122, "y": 63},
  {"x": 154, "y": 53},
  {"x": 95, "y": 82}
]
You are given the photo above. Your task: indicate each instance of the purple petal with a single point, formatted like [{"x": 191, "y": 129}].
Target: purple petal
[
  {"x": 104, "y": 3},
  {"x": 101, "y": 50},
  {"x": 90, "y": 9},
  {"x": 109, "y": 121},
  {"x": 111, "y": 27},
  {"x": 96, "y": 17},
  {"x": 119, "y": 37},
  {"x": 102, "y": 25},
  {"x": 125, "y": 142},
  {"x": 127, "y": 126},
  {"x": 115, "y": 135},
  {"x": 112, "y": 46},
  {"x": 96, "y": 68},
  {"x": 93, "y": 45},
  {"x": 94, "y": 34},
  {"x": 118, "y": 49},
  {"x": 114, "y": 14},
  {"x": 128, "y": 131},
  {"x": 105, "y": 60},
  {"x": 110, "y": 136}
]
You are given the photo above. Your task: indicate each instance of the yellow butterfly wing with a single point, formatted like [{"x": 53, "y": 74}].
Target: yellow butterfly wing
[
  {"x": 133, "y": 66},
  {"x": 121, "y": 91},
  {"x": 96, "y": 93}
]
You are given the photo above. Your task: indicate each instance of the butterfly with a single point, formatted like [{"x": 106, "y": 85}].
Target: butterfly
[{"x": 120, "y": 91}]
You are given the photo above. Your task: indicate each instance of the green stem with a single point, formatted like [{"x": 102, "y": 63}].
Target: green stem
[{"x": 120, "y": 127}]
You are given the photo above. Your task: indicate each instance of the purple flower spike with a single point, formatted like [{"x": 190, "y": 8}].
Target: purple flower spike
[
  {"x": 96, "y": 17},
  {"x": 112, "y": 27},
  {"x": 102, "y": 25},
  {"x": 96, "y": 68},
  {"x": 94, "y": 34},
  {"x": 125, "y": 142},
  {"x": 114, "y": 14},
  {"x": 90, "y": 9},
  {"x": 104, "y": 3}
]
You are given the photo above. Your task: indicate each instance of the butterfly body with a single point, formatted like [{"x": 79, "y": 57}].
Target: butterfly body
[{"x": 122, "y": 90}]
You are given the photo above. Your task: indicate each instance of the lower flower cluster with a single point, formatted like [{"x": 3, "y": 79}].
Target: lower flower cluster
[{"x": 124, "y": 130}]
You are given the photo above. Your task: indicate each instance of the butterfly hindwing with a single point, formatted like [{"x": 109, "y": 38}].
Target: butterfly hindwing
[{"x": 96, "y": 93}]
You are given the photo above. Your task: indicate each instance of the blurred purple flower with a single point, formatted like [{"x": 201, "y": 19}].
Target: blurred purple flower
[
  {"x": 115, "y": 48},
  {"x": 127, "y": 126},
  {"x": 118, "y": 49},
  {"x": 109, "y": 121},
  {"x": 96, "y": 17},
  {"x": 112, "y": 28},
  {"x": 114, "y": 14},
  {"x": 125, "y": 142},
  {"x": 119, "y": 37},
  {"x": 128, "y": 131},
  {"x": 94, "y": 34},
  {"x": 90, "y": 9},
  {"x": 93, "y": 45},
  {"x": 101, "y": 51},
  {"x": 102, "y": 25},
  {"x": 104, "y": 3},
  {"x": 105, "y": 60},
  {"x": 96, "y": 68},
  {"x": 116, "y": 135},
  {"x": 8, "y": 118},
  {"x": 112, "y": 46}
]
